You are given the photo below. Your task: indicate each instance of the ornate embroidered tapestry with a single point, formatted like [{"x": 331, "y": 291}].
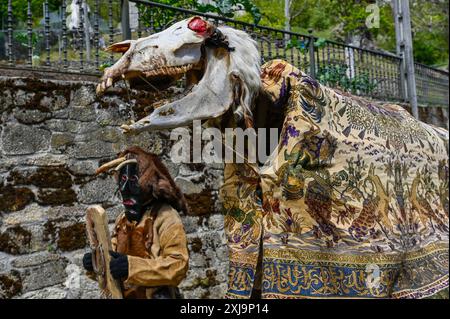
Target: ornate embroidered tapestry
[{"x": 353, "y": 203}]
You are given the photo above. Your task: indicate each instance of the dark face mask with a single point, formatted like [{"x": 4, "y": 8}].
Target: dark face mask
[{"x": 131, "y": 192}]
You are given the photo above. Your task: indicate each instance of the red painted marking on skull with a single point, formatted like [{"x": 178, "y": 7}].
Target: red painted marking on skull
[{"x": 198, "y": 25}]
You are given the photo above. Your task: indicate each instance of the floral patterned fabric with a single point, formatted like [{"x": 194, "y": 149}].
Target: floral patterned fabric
[{"x": 353, "y": 202}]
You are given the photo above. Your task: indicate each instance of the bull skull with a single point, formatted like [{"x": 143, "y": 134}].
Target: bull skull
[{"x": 222, "y": 66}]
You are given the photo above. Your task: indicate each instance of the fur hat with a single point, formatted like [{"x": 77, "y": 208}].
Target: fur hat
[{"x": 154, "y": 178}]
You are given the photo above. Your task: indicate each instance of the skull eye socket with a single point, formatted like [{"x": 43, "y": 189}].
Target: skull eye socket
[{"x": 198, "y": 25}]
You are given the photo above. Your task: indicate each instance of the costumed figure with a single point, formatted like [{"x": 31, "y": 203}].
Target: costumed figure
[
  {"x": 149, "y": 253},
  {"x": 353, "y": 201}
]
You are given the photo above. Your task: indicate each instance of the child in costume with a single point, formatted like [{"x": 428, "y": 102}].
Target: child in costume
[{"x": 150, "y": 255}]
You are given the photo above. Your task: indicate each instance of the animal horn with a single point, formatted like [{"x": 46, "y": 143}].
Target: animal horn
[
  {"x": 107, "y": 166},
  {"x": 133, "y": 160}
]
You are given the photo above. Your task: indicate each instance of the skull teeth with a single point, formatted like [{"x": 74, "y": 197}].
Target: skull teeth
[
  {"x": 165, "y": 70},
  {"x": 105, "y": 84},
  {"x": 170, "y": 70}
]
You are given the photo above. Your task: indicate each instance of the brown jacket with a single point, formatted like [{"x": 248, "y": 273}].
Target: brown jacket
[{"x": 156, "y": 248}]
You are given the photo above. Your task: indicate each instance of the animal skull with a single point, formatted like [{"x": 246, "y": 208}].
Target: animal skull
[{"x": 217, "y": 78}]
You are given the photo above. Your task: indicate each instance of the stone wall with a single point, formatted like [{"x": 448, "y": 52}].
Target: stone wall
[
  {"x": 436, "y": 115},
  {"x": 53, "y": 135}
]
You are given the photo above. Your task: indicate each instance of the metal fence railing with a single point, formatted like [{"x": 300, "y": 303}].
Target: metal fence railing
[
  {"x": 72, "y": 35},
  {"x": 432, "y": 85}
]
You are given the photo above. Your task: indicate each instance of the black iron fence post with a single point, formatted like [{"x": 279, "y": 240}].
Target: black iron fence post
[
  {"x": 80, "y": 28},
  {"x": 125, "y": 20},
  {"x": 312, "y": 61},
  {"x": 64, "y": 35},
  {"x": 30, "y": 33},
  {"x": 97, "y": 34},
  {"x": 47, "y": 32},
  {"x": 111, "y": 28},
  {"x": 87, "y": 31},
  {"x": 10, "y": 56}
]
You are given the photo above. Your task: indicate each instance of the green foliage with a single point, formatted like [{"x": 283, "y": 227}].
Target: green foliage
[
  {"x": 271, "y": 13},
  {"x": 344, "y": 21},
  {"x": 22, "y": 38},
  {"x": 227, "y": 8},
  {"x": 223, "y": 8},
  {"x": 430, "y": 31},
  {"x": 253, "y": 10},
  {"x": 20, "y": 8},
  {"x": 428, "y": 49},
  {"x": 160, "y": 18},
  {"x": 336, "y": 75},
  {"x": 303, "y": 45},
  {"x": 320, "y": 42},
  {"x": 104, "y": 65}
]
